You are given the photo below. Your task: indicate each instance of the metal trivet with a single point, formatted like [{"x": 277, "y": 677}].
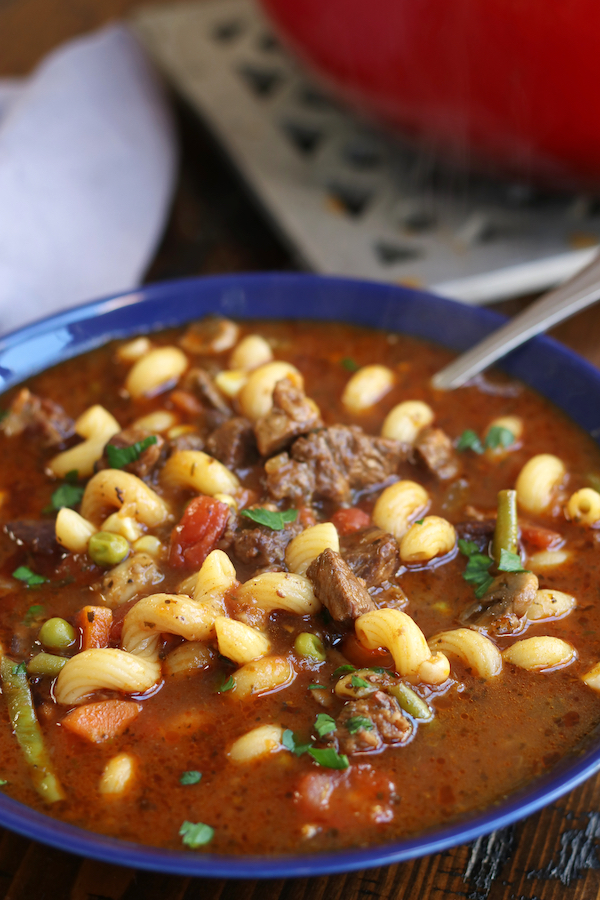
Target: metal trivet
[{"x": 349, "y": 199}]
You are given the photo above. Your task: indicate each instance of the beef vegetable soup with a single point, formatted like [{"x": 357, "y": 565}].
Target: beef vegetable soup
[{"x": 263, "y": 589}]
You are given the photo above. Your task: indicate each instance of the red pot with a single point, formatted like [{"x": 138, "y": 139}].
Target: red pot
[{"x": 513, "y": 82}]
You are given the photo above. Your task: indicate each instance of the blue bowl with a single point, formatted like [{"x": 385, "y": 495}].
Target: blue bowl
[{"x": 545, "y": 365}]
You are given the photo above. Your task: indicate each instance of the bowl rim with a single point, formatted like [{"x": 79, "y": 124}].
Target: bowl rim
[{"x": 543, "y": 363}]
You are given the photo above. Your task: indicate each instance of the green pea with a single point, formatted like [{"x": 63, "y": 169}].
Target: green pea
[
  {"x": 309, "y": 645},
  {"x": 57, "y": 634},
  {"x": 45, "y": 664},
  {"x": 410, "y": 702},
  {"x": 107, "y": 549}
]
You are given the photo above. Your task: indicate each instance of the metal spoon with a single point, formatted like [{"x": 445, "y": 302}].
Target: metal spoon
[{"x": 574, "y": 295}]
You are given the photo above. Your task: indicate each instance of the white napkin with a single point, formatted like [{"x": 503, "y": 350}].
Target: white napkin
[{"x": 87, "y": 165}]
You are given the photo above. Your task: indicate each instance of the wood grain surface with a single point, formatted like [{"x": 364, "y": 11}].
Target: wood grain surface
[{"x": 213, "y": 227}]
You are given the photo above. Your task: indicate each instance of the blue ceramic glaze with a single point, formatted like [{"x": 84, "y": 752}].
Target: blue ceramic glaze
[{"x": 545, "y": 365}]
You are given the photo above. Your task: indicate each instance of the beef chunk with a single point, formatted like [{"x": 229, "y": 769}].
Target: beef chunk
[
  {"x": 29, "y": 412},
  {"x": 385, "y": 724},
  {"x": 289, "y": 479},
  {"x": 36, "y": 536},
  {"x": 344, "y": 458},
  {"x": 338, "y": 588},
  {"x": 233, "y": 443},
  {"x": 262, "y": 547},
  {"x": 146, "y": 462},
  {"x": 201, "y": 384},
  {"x": 480, "y": 531},
  {"x": 210, "y": 336},
  {"x": 434, "y": 448},
  {"x": 503, "y": 607},
  {"x": 189, "y": 441},
  {"x": 293, "y": 414},
  {"x": 371, "y": 553}
]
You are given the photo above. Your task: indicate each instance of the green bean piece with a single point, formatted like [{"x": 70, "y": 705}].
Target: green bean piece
[
  {"x": 506, "y": 533},
  {"x": 310, "y": 646},
  {"x": 107, "y": 549},
  {"x": 45, "y": 664},
  {"x": 410, "y": 702},
  {"x": 26, "y": 727},
  {"x": 57, "y": 634}
]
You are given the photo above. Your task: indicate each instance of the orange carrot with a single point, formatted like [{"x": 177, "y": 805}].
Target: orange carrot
[
  {"x": 97, "y": 722},
  {"x": 94, "y": 623}
]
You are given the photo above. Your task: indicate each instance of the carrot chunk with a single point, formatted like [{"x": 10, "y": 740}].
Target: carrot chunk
[
  {"x": 97, "y": 722},
  {"x": 94, "y": 623}
]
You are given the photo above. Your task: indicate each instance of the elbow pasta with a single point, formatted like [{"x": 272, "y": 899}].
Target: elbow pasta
[
  {"x": 262, "y": 676},
  {"x": 197, "y": 471},
  {"x": 538, "y": 480},
  {"x": 114, "y": 488},
  {"x": 540, "y": 654},
  {"x": 256, "y": 396},
  {"x": 72, "y": 530},
  {"x": 309, "y": 544},
  {"x": 584, "y": 506},
  {"x": 165, "y": 614},
  {"x": 239, "y": 642},
  {"x": 592, "y": 678},
  {"x": 158, "y": 422},
  {"x": 189, "y": 657},
  {"x": 280, "y": 590},
  {"x": 398, "y": 633},
  {"x": 251, "y": 352},
  {"x": 133, "y": 350},
  {"x": 118, "y": 775},
  {"x": 549, "y": 604},
  {"x": 231, "y": 382},
  {"x": 256, "y": 743},
  {"x": 406, "y": 420},
  {"x": 97, "y": 426},
  {"x": 398, "y": 505},
  {"x": 104, "y": 669},
  {"x": 215, "y": 578},
  {"x": 514, "y": 424},
  {"x": 155, "y": 371},
  {"x": 367, "y": 387},
  {"x": 424, "y": 541},
  {"x": 474, "y": 649}
]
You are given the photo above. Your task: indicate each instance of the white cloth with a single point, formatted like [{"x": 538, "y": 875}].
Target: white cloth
[{"x": 87, "y": 166}]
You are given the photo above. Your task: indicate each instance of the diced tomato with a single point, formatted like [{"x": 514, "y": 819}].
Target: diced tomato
[
  {"x": 349, "y": 520},
  {"x": 362, "y": 658},
  {"x": 201, "y": 527},
  {"x": 541, "y": 538},
  {"x": 306, "y": 517},
  {"x": 351, "y": 796},
  {"x": 119, "y": 614},
  {"x": 186, "y": 402}
]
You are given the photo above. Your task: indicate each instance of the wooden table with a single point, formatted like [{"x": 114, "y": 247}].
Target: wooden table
[{"x": 215, "y": 228}]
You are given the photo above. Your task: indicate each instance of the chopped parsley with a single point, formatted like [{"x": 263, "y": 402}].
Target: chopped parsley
[
  {"x": 510, "y": 562},
  {"x": 329, "y": 758},
  {"x": 3, "y": 782},
  {"x": 190, "y": 777},
  {"x": 324, "y": 724},
  {"x": 380, "y": 670},
  {"x": 67, "y": 495},
  {"x": 419, "y": 521},
  {"x": 31, "y": 579},
  {"x": 226, "y": 685},
  {"x": 317, "y": 687},
  {"x": 274, "y": 520},
  {"x": 21, "y": 669},
  {"x": 33, "y": 613},
  {"x": 196, "y": 834},
  {"x": 350, "y": 365},
  {"x": 119, "y": 457},
  {"x": 469, "y": 441},
  {"x": 291, "y": 742},
  {"x": 497, "y": 436},
  {"x": 477, "y": 571},
  {"x": 357, "y": 682},
  {"x": 359, "y": 723},
  {"x": 343, "y": 670}
]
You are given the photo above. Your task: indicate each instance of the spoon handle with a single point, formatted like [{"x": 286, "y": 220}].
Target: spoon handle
[{"x": 574, "y": 295}]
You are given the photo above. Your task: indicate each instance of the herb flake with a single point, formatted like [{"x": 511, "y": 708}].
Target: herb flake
[
  {"x": 499, "y": 437},
  {"x": 349, "y": 364},
  {"x": 357, "y": 682},
  {"x": 226, "y": 685},
  {"x": 343, "y": 670},
  {"x": 31, "y": 579},
  {"x": 276, "y": 521},
  {"x": 33, "y": 613},
  {"x": 196, "y": 834},
  {"x": 21, "y": 669},
  {"x": 510, "y": 562},
  {"x": 190, "y": 777},
  {"x": 291, "y": 742},
  {"x": 469, "y": 441},
  {"x": 67, "y": 495},
  {"x": 324, "y": 724},
  {"x": 329, "y": 758},
  {"x": 359, "y": 723},
  {"x": 119, "y": 457}
]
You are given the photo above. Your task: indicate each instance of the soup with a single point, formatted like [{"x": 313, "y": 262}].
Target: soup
[{"x": 264, "y": 590}]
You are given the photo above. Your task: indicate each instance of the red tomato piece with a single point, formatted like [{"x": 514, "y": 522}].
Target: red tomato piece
[
  {"x": 349, "y": 520},
  {"x": 542, "y": 538},
  {"x": 363, "y": 658},
  {"x": 201, "y": 527},
  {"x": 351, "y": 796}
]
